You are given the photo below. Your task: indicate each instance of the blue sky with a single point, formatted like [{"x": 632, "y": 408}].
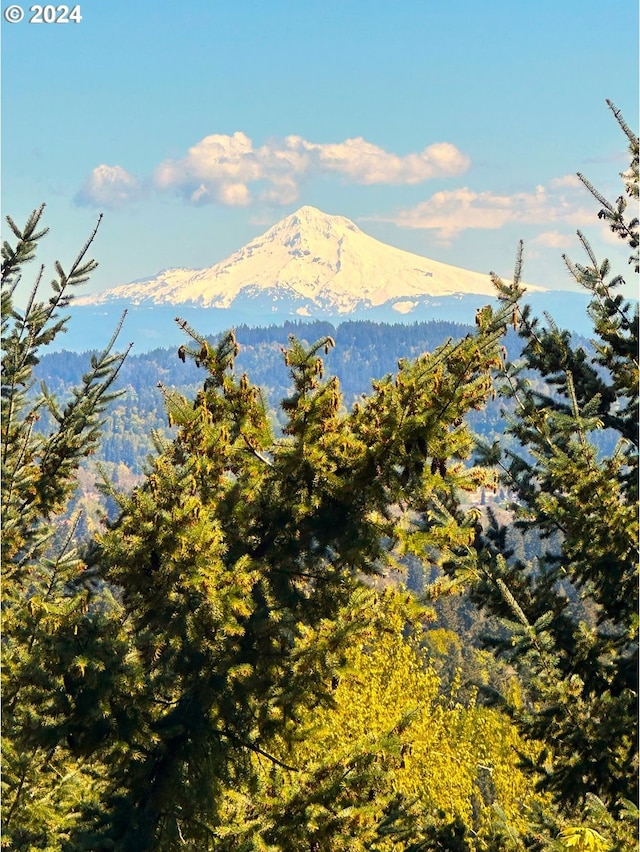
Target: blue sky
[{"x": 448, "y": 129}]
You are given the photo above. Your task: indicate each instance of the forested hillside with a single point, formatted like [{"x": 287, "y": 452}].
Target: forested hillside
[
  {"x": 226, "y": 664},
  {"x": 364, "y": 351}
]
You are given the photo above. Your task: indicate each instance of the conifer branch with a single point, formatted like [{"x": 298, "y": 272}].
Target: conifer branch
[
  {"x": 257, "y": 750},
  {"x": 631, "y": 136},
  {"x": 255, "y": 452}
]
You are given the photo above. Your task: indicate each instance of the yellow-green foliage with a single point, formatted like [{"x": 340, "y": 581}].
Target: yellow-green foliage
[
  {"x": 392, "y": 730},
  {"x": 455, "y": 758}
]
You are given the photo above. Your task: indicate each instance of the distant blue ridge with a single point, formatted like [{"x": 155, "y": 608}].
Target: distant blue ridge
[{"x": 153, "y": 326}]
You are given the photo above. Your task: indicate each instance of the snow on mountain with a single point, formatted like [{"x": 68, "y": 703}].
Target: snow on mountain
[{"x": 323, "y": 264}]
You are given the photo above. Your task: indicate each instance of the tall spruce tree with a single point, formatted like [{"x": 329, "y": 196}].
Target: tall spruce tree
[
  {"x": 570, "y": 621},
  {"x": 240, "y": 542},
  {"x": 42, "y": 617}
]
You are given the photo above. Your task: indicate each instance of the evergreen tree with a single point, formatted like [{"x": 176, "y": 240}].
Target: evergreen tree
[
  {"x": 42, "y": 615},
  {"x": 235, "y": 545},
  {"x": 580, "y": 664}
]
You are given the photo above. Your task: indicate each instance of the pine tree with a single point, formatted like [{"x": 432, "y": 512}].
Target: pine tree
[
  {"x": 236, "y": 544},
  {"x": 570, "y": 620},
  {"x": 41, "y": 612}
]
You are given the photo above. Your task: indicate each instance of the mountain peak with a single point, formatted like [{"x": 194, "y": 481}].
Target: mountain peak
[
  {"x": 312, "y": 216},
  {"x": 309, "y": 220},
  {"x": 319, "y": 265},
  {"x": 307, "y": 213}
]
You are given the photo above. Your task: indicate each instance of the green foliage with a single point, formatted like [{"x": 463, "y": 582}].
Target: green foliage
[
  {"x": 237, "y": 543},
  {"x": 221, "y": 669},
  {"x": 364, "y": 350},
  {"x": 42, "y": 613},
  {"x": 581, "y": 673},
  {"x": 391, "y": 764}
]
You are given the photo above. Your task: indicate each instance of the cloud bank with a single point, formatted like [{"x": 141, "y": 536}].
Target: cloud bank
[
  {"x": 109, "y": 187},
  {"x": 232, "y": 171},
  {"x": 449, "y": 213}
]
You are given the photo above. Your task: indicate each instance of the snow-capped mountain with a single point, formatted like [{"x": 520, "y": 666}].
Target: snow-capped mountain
[{"x": 308, "y": 264}]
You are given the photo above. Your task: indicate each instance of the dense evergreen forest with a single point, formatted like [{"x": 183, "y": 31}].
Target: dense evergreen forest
[
  {"x": 364, "y": 351},
  {"x": 264, "y": 648}
]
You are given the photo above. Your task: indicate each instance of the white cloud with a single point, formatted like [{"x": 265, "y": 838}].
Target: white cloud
[
  {"x": 108, "y": 186},
  {"x": 281, "y": 190},
  {"x": 214, "y": 158},
  {"x": 234, "y": 194},
  {"x": 362, "y": 162},
  {"x": 217, "y": 169},
  {"x": 571, "y": 181},
  {"x": 554, "y": 239},
  {"x": 222, "y": 168},
  {"x": 230, "y": 170},
  {"x": 453, "y": 211}
]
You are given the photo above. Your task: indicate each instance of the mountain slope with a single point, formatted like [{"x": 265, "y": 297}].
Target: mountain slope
[{"x": 313, "y": 263}]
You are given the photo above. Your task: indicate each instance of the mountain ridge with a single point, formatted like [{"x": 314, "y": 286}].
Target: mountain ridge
[{"x": 316, "y": 264}]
